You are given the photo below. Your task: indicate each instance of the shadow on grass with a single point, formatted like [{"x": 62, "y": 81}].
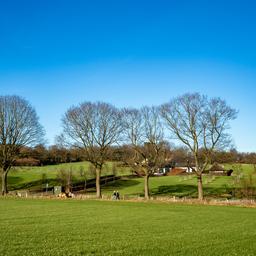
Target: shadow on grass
[
  {"x": 36, "y": 184},
  {"x": 182, "y": 190},
  {"x": 178, "y": 190},
  {"x": 219, "y": 191},
  {"x": 11, "y": 182},
  {"x": 175, "y": 190},
  {"x": 119, "y": 184},
  {"x": 14, "y": 180}
]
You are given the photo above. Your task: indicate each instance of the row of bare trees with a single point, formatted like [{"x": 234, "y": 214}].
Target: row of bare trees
[
  {"x": 194, "y": 120},
  {"x": 197, "y": 122}
]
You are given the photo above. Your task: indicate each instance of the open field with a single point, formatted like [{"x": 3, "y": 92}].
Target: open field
[
  {"x": 180, "y": 186},
  {"x": 70, "y": 227},
  {"x": 31, "y": 177}
]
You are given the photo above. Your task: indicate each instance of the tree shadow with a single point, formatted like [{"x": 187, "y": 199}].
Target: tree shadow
[
  {"x": 182, "y": 190},
  {"x": 223, "y": 190},
  {"x": 35, "y": 185},
  {"x": 11, "y": 182},
  {"x": 175, "y": 190},
  {"x": 119, "y": 184},
  {"x": 14, "y": 180}
]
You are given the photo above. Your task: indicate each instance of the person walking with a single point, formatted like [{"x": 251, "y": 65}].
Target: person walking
[
  {"x": 117, "y": 195},
  {"x": 114, "y": 196}
]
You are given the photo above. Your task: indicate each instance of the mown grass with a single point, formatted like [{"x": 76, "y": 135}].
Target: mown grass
[
  {"x": 54, "y": 227},
  {"x": 241, "y": 168},
  {"x": 31, "y": 177},
  {"x": 182, "y": 186},
  {"x": 179, "y": 186}
]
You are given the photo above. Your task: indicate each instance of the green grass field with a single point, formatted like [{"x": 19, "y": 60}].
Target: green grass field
[
  {"x": 70, "y": 227},
  {"x": 31, "y": 177},
  {"x": 180, "y": 186}
]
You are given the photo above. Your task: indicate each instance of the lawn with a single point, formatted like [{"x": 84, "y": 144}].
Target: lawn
[
  {"x": 70, "y": 227},
  {"x": 180, "y": 186},
  {"x": 31, "y": 177}
]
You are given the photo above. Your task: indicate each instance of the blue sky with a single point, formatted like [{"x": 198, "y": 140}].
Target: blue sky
[{"x": 129, "y": 53}]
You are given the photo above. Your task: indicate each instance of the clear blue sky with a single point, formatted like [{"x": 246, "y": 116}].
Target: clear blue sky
[{"x": 129, "y": 53}]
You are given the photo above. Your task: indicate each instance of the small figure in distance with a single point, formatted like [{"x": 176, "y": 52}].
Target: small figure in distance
[
  {"x": 70, "y": 195},
  {"x": 114, "y": 196},
  {"x": 117, "y": 195}
]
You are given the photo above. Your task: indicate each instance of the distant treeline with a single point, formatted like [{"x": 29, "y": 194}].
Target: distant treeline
[{"x": 41, "y": 155}]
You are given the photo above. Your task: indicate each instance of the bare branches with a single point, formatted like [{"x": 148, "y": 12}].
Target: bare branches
[
  {"x": 143, "y": 130},
  {"x": 198, "y": 122},
  {"x": 18, "y": 122},
  {"x": 19, "y": 126},
  {"x": 201, "y": 124},
  {"x": 218, "y": 115},
  {"x": 93, "y": 127}
]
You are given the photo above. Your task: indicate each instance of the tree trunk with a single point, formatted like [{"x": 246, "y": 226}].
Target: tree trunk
[
  {"x": 4, "y": 183},
  {"x": 69, "y": 183},
  {"x": 146, "y": 186},
  {"x": 200, "y": 186},
  {"x": 98, "y": 189},
  {"x": 67, "y": 189},
  {"x": 85, "y": 183}
]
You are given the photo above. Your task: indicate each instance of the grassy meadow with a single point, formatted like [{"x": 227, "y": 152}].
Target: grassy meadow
[
  {"x": 73, "y": 227},
  {"x": 92, "y": 227},
  {"x": 31, "y": 177},
  {"x": 22, "y": 178}
]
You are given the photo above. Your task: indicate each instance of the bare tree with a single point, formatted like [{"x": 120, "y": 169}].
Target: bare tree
[
  {"x": 93, "y": 127},
  {"x": 65, "y": 178},
  {"x": 200, "y": 124},
  {"x": 19, "y": 126},
  {"x": 143, "y": 131}
]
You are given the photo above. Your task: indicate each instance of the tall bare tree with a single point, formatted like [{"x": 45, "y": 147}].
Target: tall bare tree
[
  {"x": 19, "y": 126},
  {"x": 93, "y": 127},
  {"x": 144, "y": 132},
  {"x": 200, "y": 124}
]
